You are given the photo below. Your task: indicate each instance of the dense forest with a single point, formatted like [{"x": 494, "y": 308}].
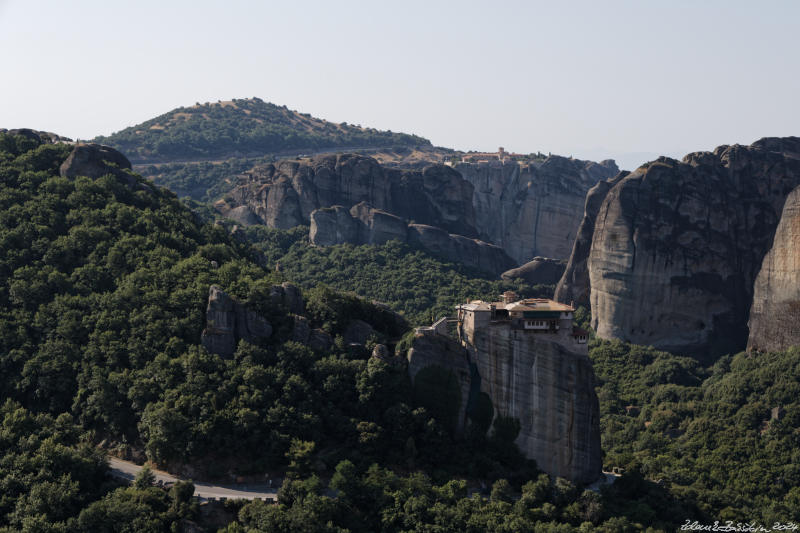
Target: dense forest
[
  {"x": 244, "y": 127},
  {"x": 411, "y": 281},
  {"x": 103, "y": 289}
]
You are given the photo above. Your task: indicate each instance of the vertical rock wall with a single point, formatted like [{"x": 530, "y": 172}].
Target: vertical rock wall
[
  {"x": 677, "y": 246},
  {"x": 550, "y": 389},
  {"x": 533, "y": 209},
  {"x": 775, "y": 314}
]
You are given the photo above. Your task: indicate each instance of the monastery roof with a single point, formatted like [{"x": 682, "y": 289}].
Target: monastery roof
[
  {"x": 536, "y": 304},
  {"x": 529, "y": 304}
]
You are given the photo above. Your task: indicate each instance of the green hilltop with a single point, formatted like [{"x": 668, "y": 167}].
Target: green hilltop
[{"x": 243, "y": 128}]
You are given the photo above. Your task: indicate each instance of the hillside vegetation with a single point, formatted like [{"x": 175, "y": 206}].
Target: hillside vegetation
[
  {"x": 246, "y": 127},
  {"x": 103, "y": 289},
  {"x": 411, "y": 281}
]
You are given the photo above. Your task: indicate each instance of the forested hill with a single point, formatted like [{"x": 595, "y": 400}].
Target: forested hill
[{"x": 243, "y": 128}]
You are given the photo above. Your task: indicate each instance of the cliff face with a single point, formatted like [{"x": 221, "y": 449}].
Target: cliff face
[
  {"x": 363, "y": 224},
  {"x": 532, "y": 209},
  {"x": 573, "y": 287},
  {"x": 775, "y": 314},
  {"x": 544, "y": 381},
  {"x": 285, "y": 194},
  {"x": 550, "y": 389},
  {"x": 228, "y": 321},
  {"x": 677, "y": 245},
  {"x": 442, "y": 351}
]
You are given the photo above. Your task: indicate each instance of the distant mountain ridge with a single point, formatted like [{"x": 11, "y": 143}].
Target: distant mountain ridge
[{"x": 242, "y": 128}]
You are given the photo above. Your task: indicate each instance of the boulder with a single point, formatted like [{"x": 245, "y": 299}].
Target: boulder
[
  {"x": 228, "y": 321},
  {"x": 95, "y": 160},
  {"x": 357, "y": 332},
  {"x": 376, "y": 226},
  {"x": 333, "y": 225},
  {"x": 380, "y": 351},
  {"x": 243, "y": 215},
  {"x": 775, "y": 313},
  {"x": 459, "y": 249},
  {"x": 319, "y": 340},
  {"x": 539, "y": 271}
]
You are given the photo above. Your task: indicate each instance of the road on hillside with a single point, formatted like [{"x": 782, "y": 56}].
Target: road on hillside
[
  {"x": 238, "y": 491},
  {"x": 277, "y": 155}
]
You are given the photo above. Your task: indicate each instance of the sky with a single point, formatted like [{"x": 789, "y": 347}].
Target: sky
[{"x": 628, "y": 80}]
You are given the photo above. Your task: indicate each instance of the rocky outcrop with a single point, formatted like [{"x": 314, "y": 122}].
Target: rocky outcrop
[
  {"x": 363, "y": 224},
  {"x": 447, "y": 353},
  {"x": 284, "y": 194},
  {"x": 459, "y": 249},
  {"x": 775, "y": 313},
  {"x": 243, "y": 215},
  {"x": 41, "y": 137},
  {"x": 677, "y": 246},
  {"x": 316, "y": 339},
  {"x": 95, "y": 160},
  {"x": 357, "y": 332},
  {"x": 543, "y": 381},
  {"x": 573, "y": 287},
  {"x": 550, "y": 388},
  {"x": 535, "y": 208},
  {"x": 539, "y": 271},
  {"x": 288, "y": 296},
  {"x": 528, "y": 210},
  {"x": 228, "y": 321}
]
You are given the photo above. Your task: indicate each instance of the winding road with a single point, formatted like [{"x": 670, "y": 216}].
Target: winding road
[{"x": 239, "y": 491}]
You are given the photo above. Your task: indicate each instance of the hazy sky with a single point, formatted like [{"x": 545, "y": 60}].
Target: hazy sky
[{"x": 591, "y": 79}]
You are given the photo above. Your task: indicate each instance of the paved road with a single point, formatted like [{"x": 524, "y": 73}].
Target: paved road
[{"x": 239, "y": 491}]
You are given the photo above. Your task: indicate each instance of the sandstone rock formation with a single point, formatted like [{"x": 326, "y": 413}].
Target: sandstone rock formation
[
  {"x": 288, "y": 296},
  {"x": 243, "y": 215},
  {"x": 677, "y": 246},
  {"x": 442, "y": 351},
  {"x": 284, "y": 194},
  {"x": 228, "y": 321},
  {"x": 316, "y": 339},
  {"x": 551, "y": 390},
  {"x": 95, "y": 160},
  {"x": 460, "y": 249},
  {"x": 573, "y": 287},
  {"x": 532, "y": 209},
  {"x": 775, "y": 313},
  {"x": 41, "y": 137},
  {"x": 539, "y": 271},
  {"x": 363, "y": 224},
  {"x": 357, "y": 332},
  {"x": 541, "y": 381}
]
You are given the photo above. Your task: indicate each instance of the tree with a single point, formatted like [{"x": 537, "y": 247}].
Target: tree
[{"x": 145, "y": 478}]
